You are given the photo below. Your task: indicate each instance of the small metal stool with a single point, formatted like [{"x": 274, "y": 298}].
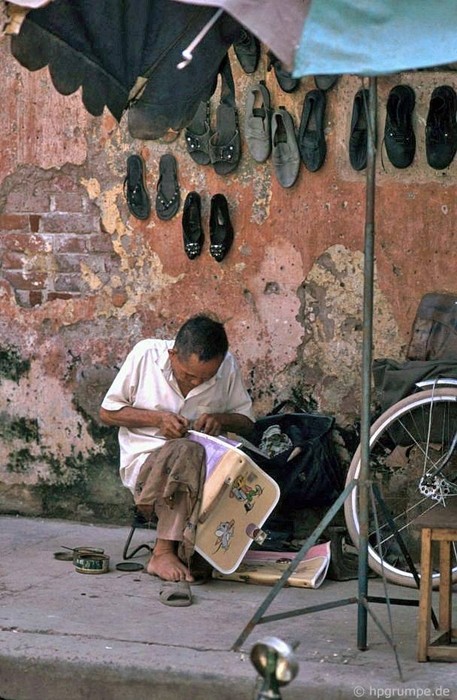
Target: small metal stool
[
  {"x": 138, "y": 521},
  {"x": 438, "y": 525}
]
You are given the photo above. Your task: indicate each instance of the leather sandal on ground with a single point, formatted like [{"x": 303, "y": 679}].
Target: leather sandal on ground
[
  {"x": 175, "y": 594},
  {"x": 135, "y": 190},
  {"x": 168, "y": 195},
  {"x": 198, "y": 134}
]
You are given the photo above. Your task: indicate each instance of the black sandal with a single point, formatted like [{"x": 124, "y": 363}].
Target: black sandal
[
  {"x": 135, "y": 191},
  {"x": 225, "y": 143},
  {"x": 168, "y": 195},
  {"x": 198, "y": 134}
]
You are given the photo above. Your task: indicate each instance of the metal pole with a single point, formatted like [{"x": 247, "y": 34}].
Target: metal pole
[{"x": 368, "y": 285}]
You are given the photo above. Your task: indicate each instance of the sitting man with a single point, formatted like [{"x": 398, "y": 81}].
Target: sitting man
[{"x": 162, "y": 390}]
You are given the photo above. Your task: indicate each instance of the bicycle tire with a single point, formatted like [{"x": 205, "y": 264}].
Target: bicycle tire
[{"x": 407, "y": 436}]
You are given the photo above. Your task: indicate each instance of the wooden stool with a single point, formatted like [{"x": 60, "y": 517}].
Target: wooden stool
[{"x": 438, "y": 525}]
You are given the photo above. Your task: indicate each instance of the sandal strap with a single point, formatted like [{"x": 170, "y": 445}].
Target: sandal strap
[{"x": 225, "y": 151}]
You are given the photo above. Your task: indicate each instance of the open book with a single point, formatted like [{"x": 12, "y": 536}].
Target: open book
[{"x": 267, "y": 567}]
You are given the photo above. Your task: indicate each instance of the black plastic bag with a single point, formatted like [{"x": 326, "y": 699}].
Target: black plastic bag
[{"x": 313, "y": 477}]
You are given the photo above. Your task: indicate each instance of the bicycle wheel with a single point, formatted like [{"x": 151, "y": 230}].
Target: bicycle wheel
[{"x": 406, "y": 442}]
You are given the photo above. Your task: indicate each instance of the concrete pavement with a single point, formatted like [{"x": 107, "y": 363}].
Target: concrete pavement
[{"x": 107, "y": 637}]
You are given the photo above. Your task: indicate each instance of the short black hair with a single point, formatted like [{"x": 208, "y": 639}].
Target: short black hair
[{"x": 203, "y": 336}]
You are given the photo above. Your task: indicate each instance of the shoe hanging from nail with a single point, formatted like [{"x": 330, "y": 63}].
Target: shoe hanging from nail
[
  {"x": 358, "y": 137},
  {"x": 225, "y": 143},
  {"x": 257, "y": 122},
  {"x": 198, "y": 134},
  {"x": 247, "y": 51},
  {"x": 220, "y": 226},
  {"x": 285, "y": 154},
  {"x": 192, "y": 226},
  {"x": 441, "y": 128},
  {"x": 168, "y": 194},
  {"x": 286, "y": 81},
  {"x": 135, "y": 191},
  {"x": 399, "y": 137},
  {"x": 311, "y": 135}
]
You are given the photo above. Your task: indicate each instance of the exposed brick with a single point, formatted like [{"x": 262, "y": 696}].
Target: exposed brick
[
  {"x": 14, "y": 222},
  {"x": 100, "y": 244},
  {"x": 67, "y": 202},
  {"x": 22, "y": 298},
  {"x": 61, "y": 295},
  {"x": 35, "y": 298},
  {"x": 69, "y": 223},
  {"x": 12, "y": 261},
  {"x": 69, "y": 283},
  {"x": 24, "y": 200},
  {"x": 28, "y": 281},
  {"x": 63, "y": 183},
  {"x": 26, "y": 242},
  {"x": 71, "y": 244},
  {"x": 34, "y": 223},
  {"x": 70, "y": 263}
]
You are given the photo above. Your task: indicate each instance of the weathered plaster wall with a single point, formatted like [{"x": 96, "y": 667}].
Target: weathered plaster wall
[{"x": 81, "y": 281}]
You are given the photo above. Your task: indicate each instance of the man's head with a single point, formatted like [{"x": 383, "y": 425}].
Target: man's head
[{"x": 198, "y": 351}]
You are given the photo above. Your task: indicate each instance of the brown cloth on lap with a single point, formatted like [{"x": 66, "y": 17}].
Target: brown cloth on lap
[{"x": 179, "y": 466}]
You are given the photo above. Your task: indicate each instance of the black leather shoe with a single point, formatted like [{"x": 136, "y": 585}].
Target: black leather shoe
[
  {"x": 192, "y": 225},
  {"x": 247, "y": 51},
  {"x": 220, "y": 227},
  {"x": 325, "y": 82},
  {"x": 135, "y": 191},
  {"x": 311, "y": 137},
  {"x": 441, "y": 128},
  {"x": 399, "y": 136},
  {"x": 358, "y": 138},
  {"x": 286, "y": 81}
]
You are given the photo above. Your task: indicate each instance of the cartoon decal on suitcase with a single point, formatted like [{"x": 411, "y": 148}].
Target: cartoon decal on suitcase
[{"x": 238, "y": 497}]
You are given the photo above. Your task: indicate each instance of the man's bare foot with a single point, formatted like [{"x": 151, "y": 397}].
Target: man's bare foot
[{"x": 165, "y": 563}]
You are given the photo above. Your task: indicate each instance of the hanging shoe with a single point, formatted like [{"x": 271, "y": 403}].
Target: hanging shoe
[
  {"x": 135, "y": 191},
  {"x": 257, "y": 125},
  {"x": 225, "y": 143},
  {"x": 325, "y": 82},
  {"x": 358, "y": 138},
  {"x": 168, "y": 195},
  {"x": 192, "y": 225},
  {"x": 220, "y": 226},
  {"x": 247, "y": 51},
  {"x": 441, "y": 128},
  {"x": 311, "y": 136},
  {"x": 198, "y": 134},
  {"x": 399, "y": 136},
  {"x": 285, "y": 153},
  {"x": 286, "y": 81}
]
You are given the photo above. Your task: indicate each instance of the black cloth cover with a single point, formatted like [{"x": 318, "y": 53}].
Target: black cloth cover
[
  {"x": 105, "y": 45},
  {"x": 394, "y": 380}
]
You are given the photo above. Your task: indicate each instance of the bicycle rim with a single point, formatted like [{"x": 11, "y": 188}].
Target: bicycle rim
[{"x": 406, "y": 441}]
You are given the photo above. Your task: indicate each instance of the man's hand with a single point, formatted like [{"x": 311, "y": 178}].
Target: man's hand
[
  {"x": 171, "y": 425},
  {"x": 208, "y": 423}
]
